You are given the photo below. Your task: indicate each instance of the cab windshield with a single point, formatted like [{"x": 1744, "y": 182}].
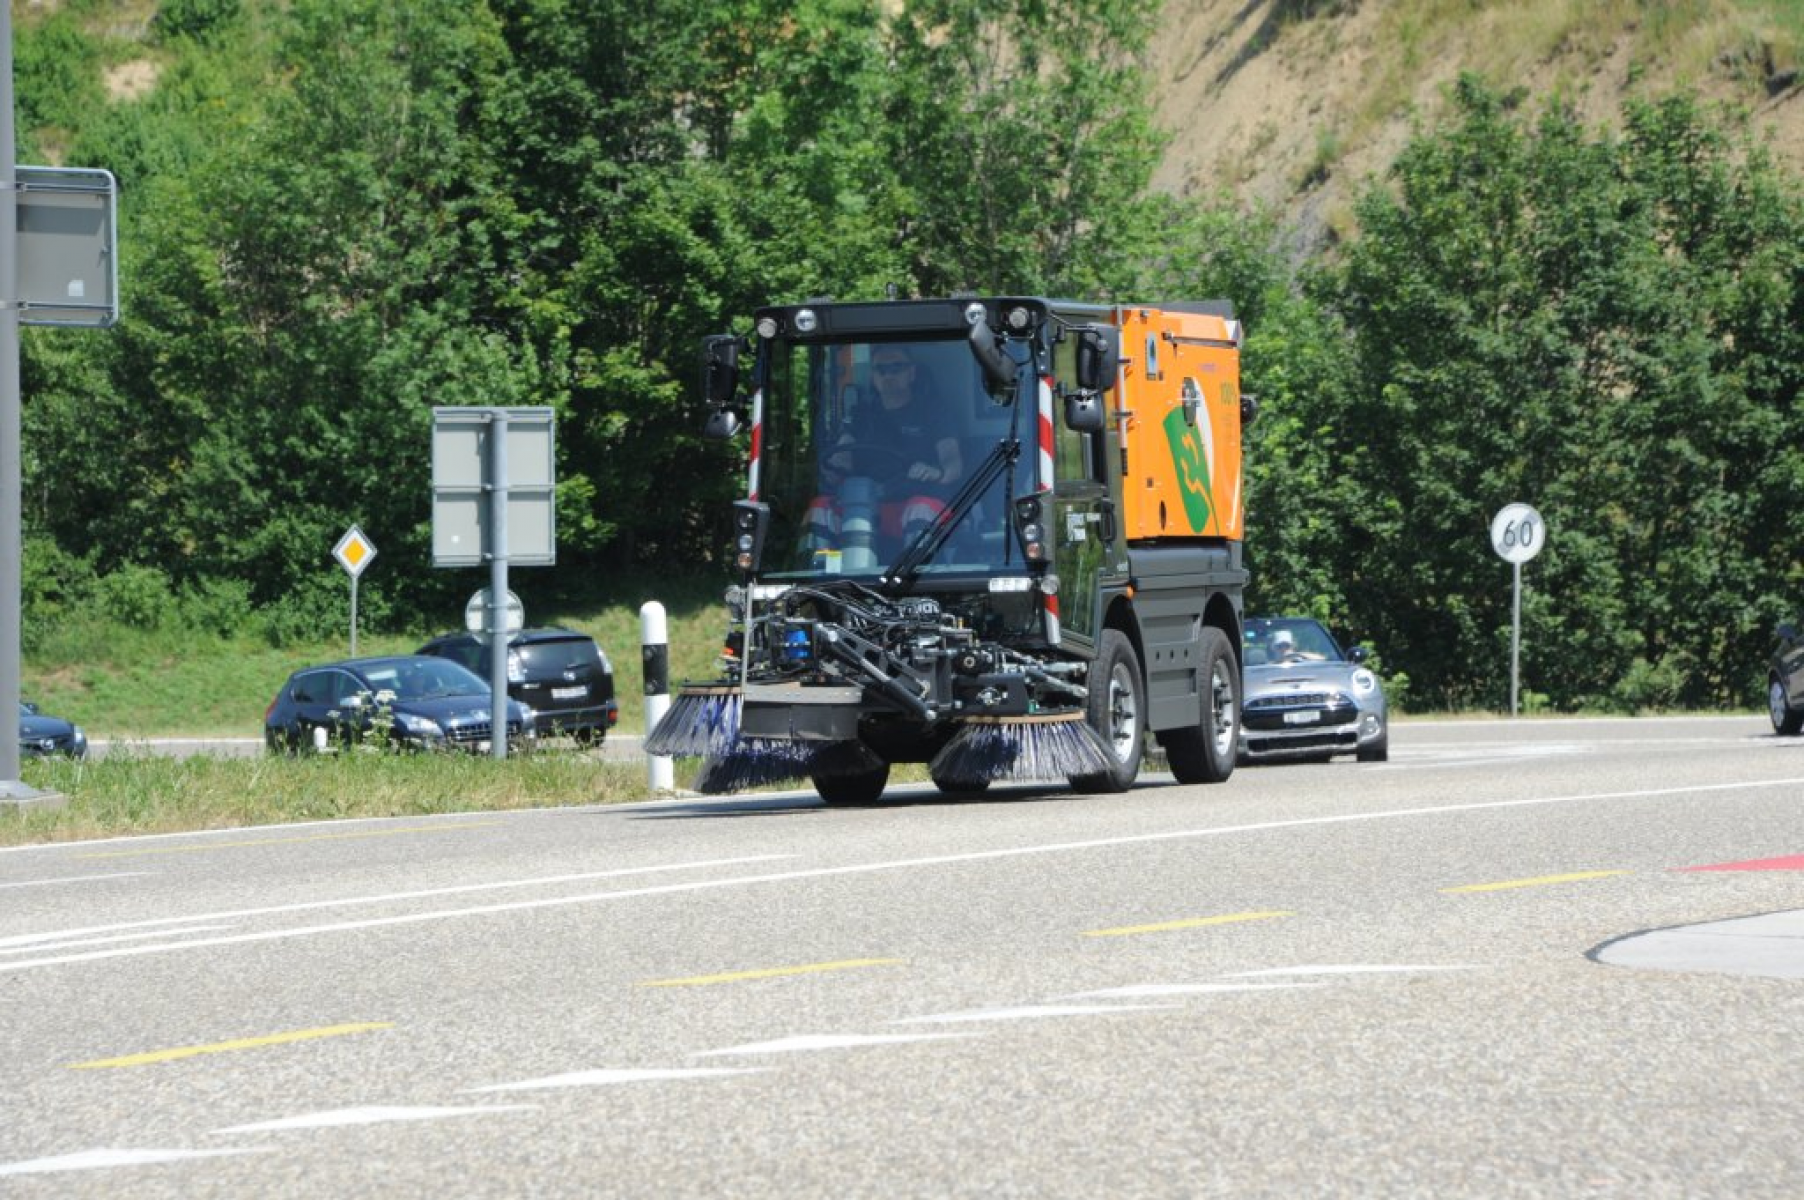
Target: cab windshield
[{"x": 866, "y": 443}]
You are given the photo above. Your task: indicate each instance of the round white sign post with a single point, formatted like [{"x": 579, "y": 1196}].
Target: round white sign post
[
  {"x": 476, "y": 613},
  {"x": 1517, "y": 534}
]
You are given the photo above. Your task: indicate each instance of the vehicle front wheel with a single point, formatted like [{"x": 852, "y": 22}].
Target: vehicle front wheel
[
  {"x": 849, "y": 774},
  {"x": 1378, "y": 751},
  {"x": 1786, "y": 719},
  {"x": 1116, "y": 709},
  {"x": 1207, "y": 753}
]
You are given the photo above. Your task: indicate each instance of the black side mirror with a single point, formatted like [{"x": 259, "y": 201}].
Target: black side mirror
[
  {"x": 1249, "y": 409},
  {"x": 998, "y": 368},
  {"x": 720, "y": 368},
  {"x": 1358, "y": 654},
  {"x": 722, "y": 424},
  {"x": 1083, "y": 412},
  {"x": 1098, "y": 357},
  {"x": 751, "y": 520}
]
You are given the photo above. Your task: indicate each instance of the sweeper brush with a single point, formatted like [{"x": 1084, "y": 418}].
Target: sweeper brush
[
  {"x": 701, "y": 720},
  {"x": 1041, "y": 746},
  {"x": 753, "y": 762}
]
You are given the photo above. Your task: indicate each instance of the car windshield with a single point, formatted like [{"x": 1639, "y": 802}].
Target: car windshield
[
  {"x": 1274, "y": 640},
  {"x": 864, "y": 443},
  {"x": 423, "y": 678}
]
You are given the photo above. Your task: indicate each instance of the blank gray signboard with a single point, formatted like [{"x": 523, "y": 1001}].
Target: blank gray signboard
[
  {"x": 68, "y": 272},
  {"x": 460, "y": 470}
]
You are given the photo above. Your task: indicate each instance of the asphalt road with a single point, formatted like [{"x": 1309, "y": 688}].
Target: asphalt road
[{"x": 1432, "y": 977}]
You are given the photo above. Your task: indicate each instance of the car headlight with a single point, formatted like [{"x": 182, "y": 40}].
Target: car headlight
[
  {"x": 419, "y": 726},
  {"x": 1364, "y": 682},
  {"x": 78, "y": 741}
]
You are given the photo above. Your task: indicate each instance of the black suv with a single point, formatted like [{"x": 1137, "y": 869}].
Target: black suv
[{"x": 562, "y": 675}]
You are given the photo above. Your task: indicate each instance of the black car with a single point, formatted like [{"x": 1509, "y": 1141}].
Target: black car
[
  {"x": 1785, "y": 681},
  {"x": 425, "y": 703},
  {"x": 563, "y": 675},
  {"x": 40, "y": 735}
]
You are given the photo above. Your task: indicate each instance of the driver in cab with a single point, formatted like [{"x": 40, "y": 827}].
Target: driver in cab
[
  {"x": 899, "y": 442},
  {"x": 895, "y": 438}
]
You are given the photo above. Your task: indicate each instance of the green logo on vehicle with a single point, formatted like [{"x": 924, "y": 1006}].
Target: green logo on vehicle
[{"x": 1192, "y": 467}]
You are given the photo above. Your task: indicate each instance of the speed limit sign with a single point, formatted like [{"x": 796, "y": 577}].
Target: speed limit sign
[{"x": 1517, "y": 533}]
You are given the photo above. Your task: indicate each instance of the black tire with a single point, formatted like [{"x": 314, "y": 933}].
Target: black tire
[
  {"x": 849, "y": 774},
  {"x": 1208, "y": 752},
  {"x": 1378, "y": 751},
  {"x": 1116, "y": 709},
  {"x": 1787, "y": 721}
]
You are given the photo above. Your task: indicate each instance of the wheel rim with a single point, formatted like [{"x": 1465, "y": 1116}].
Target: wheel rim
[
  {"x": 1124, "y": 714},
  {"x": 1775, "y": 703},
  {"x": 1221, "y": 710}
]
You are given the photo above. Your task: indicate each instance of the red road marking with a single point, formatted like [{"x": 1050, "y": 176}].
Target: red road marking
[{"x": 1793, "y": 862}]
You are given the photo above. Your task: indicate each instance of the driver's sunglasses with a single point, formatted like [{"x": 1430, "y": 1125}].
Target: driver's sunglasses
[{"x": 891, "y": 368}]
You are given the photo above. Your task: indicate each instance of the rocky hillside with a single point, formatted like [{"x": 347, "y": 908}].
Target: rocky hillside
[{"x": 1293, "y": 103}]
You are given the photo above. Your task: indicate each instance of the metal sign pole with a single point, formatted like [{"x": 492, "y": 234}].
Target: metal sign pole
[
  {"x": 497, "y": 490},
  {"x": 1515, "y": 636},
  {"x": 12, "y": 492},
  {"x": 353, "y": 616}
]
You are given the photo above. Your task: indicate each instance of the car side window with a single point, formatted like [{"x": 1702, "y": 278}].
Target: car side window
[
  {"x": 306, "y": 689},
  {"x": 344, "y": 687}
]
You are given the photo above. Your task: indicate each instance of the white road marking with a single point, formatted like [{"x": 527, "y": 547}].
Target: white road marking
[
  {"x": 1790, "y": 784},
  {"x": 374, "y": 1114},
  {"x": 74, "y": 879},
  {"x": 389, "y": 898},
  {"x": 1029, "y": 1012},
  {"x": 1148, "y": 991},
  {"x": 830, "y": 1041},
  {"x": 94, "y": 1160},
  {"x": 608, "y": 1076},
  {"x": 52, "y": 941},
  {"x": 1354, "y": 969}
]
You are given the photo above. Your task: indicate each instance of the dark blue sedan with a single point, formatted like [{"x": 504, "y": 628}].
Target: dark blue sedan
[
  {"x": 419, "y": 702},
  {"x": 40, "y": 735}
]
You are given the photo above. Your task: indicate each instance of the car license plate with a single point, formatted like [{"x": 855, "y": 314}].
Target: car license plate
[
  {"x": 483, "y": 747},
  {"x": 1302, "y": 718},
  {"x": 568, "y": 693}
]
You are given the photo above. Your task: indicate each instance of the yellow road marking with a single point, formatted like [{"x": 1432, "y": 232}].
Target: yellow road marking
[
  {"x": 274, "y": 1039},
  {"x": 772, "y": 972},
  {"x": 1188, "y": 923},
  {"x": 316, "y": 837},
  {"x": 1537, "y": 881}
]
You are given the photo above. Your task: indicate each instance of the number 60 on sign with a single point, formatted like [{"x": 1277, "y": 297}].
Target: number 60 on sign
[{"x": 1517, "y": 533}]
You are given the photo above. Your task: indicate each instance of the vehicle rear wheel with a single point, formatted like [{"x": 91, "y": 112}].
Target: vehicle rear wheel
[
  {"x": 1207, "y": 753},
  {"x": 1786, "y": 719},
  {"x": 849, "y": 774},
  {"x": 1116, "y": 709}
]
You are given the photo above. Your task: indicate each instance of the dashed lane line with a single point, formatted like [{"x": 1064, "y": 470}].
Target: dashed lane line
[
  {"x": 1187, "y": 923},
  {"x": 161, "y": 923},
  {"x": 244, "y": 843},
  {"x": 374, "y": 1114},
  {"x": 849, "y": 964},
  {"x": 614, "y": 1076},
  {"x": 1536, "y": 881},
  {"x": 252, "y": 1043}
]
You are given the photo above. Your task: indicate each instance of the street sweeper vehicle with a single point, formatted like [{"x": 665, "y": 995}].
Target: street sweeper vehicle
[{"x": 1000, "y": 536}]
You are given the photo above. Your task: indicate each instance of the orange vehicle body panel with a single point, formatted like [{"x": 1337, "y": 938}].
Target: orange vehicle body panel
[{"x": 1177, "y": 409}]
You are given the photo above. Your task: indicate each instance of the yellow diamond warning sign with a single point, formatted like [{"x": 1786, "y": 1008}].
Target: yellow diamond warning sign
[{"x": 354, "y": 551}]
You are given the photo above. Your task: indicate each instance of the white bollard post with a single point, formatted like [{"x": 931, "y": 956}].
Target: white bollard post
[{"x": 660, "y": 770}]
